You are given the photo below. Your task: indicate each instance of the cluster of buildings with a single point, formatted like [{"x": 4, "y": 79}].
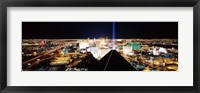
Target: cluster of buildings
[{"x": 143, "y": 54}]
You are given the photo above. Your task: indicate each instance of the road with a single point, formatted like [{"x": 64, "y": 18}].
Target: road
[{"x": 46, "y": 53}]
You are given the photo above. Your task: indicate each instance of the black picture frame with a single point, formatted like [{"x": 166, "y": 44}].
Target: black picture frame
[{"x": 98, "y": 3}]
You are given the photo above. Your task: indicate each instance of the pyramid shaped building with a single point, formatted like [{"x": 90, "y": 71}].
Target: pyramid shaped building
[{"x": 113, "y": 61}]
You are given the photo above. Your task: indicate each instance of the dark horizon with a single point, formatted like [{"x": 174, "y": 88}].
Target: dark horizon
[{"x": 84, "y": 30}]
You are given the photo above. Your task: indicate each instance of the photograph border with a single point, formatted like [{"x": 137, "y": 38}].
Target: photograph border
[{"x": 98, "y": 3}]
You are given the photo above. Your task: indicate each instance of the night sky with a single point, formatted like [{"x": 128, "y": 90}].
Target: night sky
[{"x": 83, "y": 30}]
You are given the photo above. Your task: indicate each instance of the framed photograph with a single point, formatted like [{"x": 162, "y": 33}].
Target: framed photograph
[{"x": 99, "y": 46}]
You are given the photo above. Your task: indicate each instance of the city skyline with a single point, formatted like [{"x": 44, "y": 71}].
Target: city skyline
[{"x": 99, "y": 46}]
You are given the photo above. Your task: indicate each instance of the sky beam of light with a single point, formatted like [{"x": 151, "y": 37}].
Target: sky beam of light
[{"x": 113, "y": 34}]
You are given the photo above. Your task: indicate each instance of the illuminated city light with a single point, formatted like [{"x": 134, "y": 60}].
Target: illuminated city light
[{"x": 125, "y": 48}]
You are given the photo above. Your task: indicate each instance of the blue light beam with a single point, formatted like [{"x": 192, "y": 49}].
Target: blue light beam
[
  {"x": 113, "y": 30},
  {"x": 113, "y": 34}
]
